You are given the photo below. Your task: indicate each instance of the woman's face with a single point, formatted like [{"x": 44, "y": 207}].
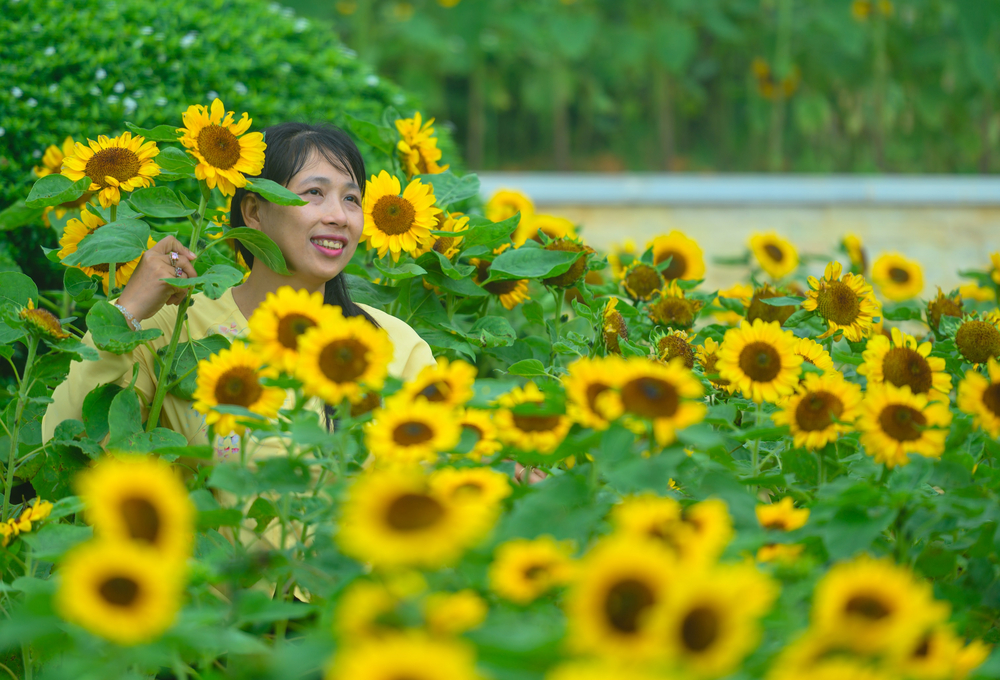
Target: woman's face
[{"x": 317, "y": 239}]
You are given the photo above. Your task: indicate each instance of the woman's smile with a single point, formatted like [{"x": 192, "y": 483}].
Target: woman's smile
[{"x": 330, "y": 245}]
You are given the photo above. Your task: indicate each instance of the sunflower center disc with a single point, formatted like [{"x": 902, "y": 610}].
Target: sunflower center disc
[
  {"x": 905, "y": 366},
  {"x": 677, "y": 266},
  {"x": 535, "y": 572},
  {"x": 672, "y": 346},
  {"x": 991, "y": 398},
  {"x": 141, "y": 519},
  {"x": 978, "y": 341},
  {"x": 902, "y": 423},
  {"x": 122, "y": 164},
  {"x": 643, "y": 281},
  {"x": 650, "y": 398},
  {"x": 238, "y": 386},
  {"x": 501, "y": 287},
  {"x": 899, "y": 275},
  {"x": 710, "y": 371},
  {"x": 774, "y": 252},
  {"x": 817, "y": 410},
  {"x": 760, "y": 361},
  {"x": 700, "y": 629},
  {"x": 120, "y": 591},
  {"x": 529, "y": 423},
  {"x": 674, "y": 311},
  {"x": 343, "y": 361},
  {"x": 433, "y": 392},
  {"x": 413, "y": 512},
  {"x": 625, "y": 603},
  {"x": 290, "y": 327},
  {"x": 393, "y": 215},
  {"x": 838, "y": 303},
  {"x": 594, "y": 390},
  {"x": 443, "y": 244},
  {"x": 867, "y": 606},
  {"x": 219, "y": 147},
  {"x": 411, "y": 433}
]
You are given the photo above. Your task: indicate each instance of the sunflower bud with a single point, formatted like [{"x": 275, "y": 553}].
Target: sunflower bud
[
  {"x": 579, "y": 267},
  {"x": 673, "y": 345},
  {"x": 943, "y": 305},
  {"x": 672, "y": 309},
  {"x": 757, "y": 309},
  {"x": 978, "y": 338},
  {"x": 42, "y": 323},
  {"x": 641, "y": 280}
]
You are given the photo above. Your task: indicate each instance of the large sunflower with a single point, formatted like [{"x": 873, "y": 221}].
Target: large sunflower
[
  {"x": 585, "y": 381},
  {"x": 120, "y": 591},
  {"x": 448, "y": 383},
  {"x": 482, "y": 431},
  {"x": 506, "y": 203},
  {"x": 78, "y": 229},
  {"x": 708, "y": 358},
  {"x": 281, "y": 320},
  {"x": 141, "y": 499},
  {"x": 365, "y": 610},
  {"x": 686, "y": 259},
  {"x": 641, "y": 281},
  {"x": 232, "y": 378},
  {"x": 395, "y": 222},
  {"x": 523, "y": 569},
  {"x": 411, "y": 655},
  {"x": 822, "y": 408},
  {"x": 392, "y": 519},
  {"x": 815, "y": 354},
  {"x": 344, "y": 361},
  {"x": 980, "y": 397},
  {"x": 895, "y": 422},
  {"x": 224, "y": 149},
  {"x": 511, "y": 292},
  {"x": 672, "y": 308},
  {"x": 418, "y": 150},
  {"x": 550, "y": 225},
  {"x": 978, "y": 337},
  {"x": 529, "y": 431},
  {"x": 405, "y": 432},
  {"x": 759, "y": 359},
  {"x": 775, "y": 255},
  {"x": 897, "y": 278},
  {"x": 902, "y": 361},
  {"x": 845, "y": 303},
  {"x": 123, "y": 163},
  {"x": 477, "y": 485}
]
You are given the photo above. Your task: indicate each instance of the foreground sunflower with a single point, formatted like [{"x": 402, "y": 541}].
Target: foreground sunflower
[
  {"x": 666, "y": 396},
  {"x": 448, "y": 383},
  {"x": 453, "y": 613},
  {"x": 641, "y": 280},
  {"x": 343, "y": 361},
  {"x": 506, "y": 203},
  {"x": 406, "y": 432},
  {"x": 585, "y": 382},
  {"x": 686, "y": 258},
  {"x": 781, "y": 516},
  {"x": 478, "y": 426},
  {"x": 708, "y": 358},
  {"x": 525, "y": 569},
  {"x": 897, "y": 278},
  {"x": 902, "y": 361},
  {"x": 139, "y": 499},
  {"x": 775, "y": 255},
  {"x": 822, "y": 408},
  {"x": 397, "y": 222},
  {"x": 759, "y": 359},
  {"x": 114, "y": 165},
  {"x": 895, "y": 422},
  {"x": 78, "y": 229},
  {"x": 411, "y": 655},
  {"x": 845, "y": 303},
  {"x": 979, "y": 396},
  {"x": 540, "y": 432},
  {"x": 478, "y": 485},
  {"x": 418, "y": 150},
  {"x": 232, "y": 378},
  {"x": 118, "y": 590},
  {"x": 281, "y": 320},
  {"x": 511, "y": 292},
  {"x": 672, "y": 308},
  {"x": 226, "y": 152},
  {"x": 978, "y": 337},
  {"x": 550, "y": 225}
]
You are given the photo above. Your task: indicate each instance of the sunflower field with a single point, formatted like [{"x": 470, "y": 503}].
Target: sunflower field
[{"x": 610, "y": 472}]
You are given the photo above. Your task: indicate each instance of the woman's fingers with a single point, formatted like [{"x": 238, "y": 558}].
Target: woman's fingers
[{"x": 170, "y": 244}]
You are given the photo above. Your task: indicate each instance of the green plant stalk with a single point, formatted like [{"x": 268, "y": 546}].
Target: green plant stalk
[
  {"x": 755, "y": 450},
  {"x": 556, "y": 322},
  {"x": 112, "y": 282},
  {"x": 22, "y": 399}
]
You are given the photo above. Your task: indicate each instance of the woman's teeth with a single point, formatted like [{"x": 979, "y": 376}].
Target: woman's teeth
[{"x": 326, "y": 243}]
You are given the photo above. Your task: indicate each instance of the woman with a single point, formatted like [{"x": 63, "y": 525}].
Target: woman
[{"x": 323, "y": 166}]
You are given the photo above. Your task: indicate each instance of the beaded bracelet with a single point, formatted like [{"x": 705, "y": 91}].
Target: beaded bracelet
[{"x": 136, "y": 326}]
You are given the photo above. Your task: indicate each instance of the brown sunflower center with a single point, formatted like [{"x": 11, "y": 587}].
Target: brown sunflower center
[
  {"x": 433, "y": 392},
  {"x": 393, "y": 215},
  {"x": 905, "y": 366},
  {"x": 414, "y": 512},
  {"x": 142, "y": 520},
  {"x": 119, "y": 591},
  {"x": 991, "y": 398},
  {"x": 673, "y": 346},
  {"x": 122, "y": 164},
  {"x": 837, "y": 302},
  {"x": 474, "y": 429},
  {"x": 501, "y": 287},
  {"x": 677, "y": 266},
  {"x": 978, "y": 341},
  {"x": 219, "y": 147},
  {"x": 444, "y": 244},
  {"x": 344, "y": 360},
  {"x": 676, "y": 312},
  {"x": 239, "y": 387},
  {"x": 594, "y": 390},
  {"x": 367, "y": 403},
  {"x": 817, "y": 410},
  {"x": 536, "y": 571},
  {"x": 625, "y": 604},
  {"x": 411, "y": 433},
  {"x": 535, "y": 423},
  {"x": 774, "y": 252},
  {"x": 650, "y": 397},
  {"x": 711, "y": 372},
  {"x": 899, "y": 275},
  {"x": 700, "y": 629},
  {"x": 868, "y": 607},
  {"x": 760, "y": 361},
  {"x": 642, "y": 281},
  {"x": 902, "y": 423},
  {"x": 290, "y": 327}
]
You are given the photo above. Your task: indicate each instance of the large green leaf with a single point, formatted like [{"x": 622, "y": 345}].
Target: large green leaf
[
  {"x": 17, "y": 289},
  {"x": 213, "y": 283},
  {"x": 176, "y": 162},
  {"x": 18, "y": 215},
  {"x": 530, "y": 263},
  {"x": 450, "y": 188},
  {"x": 124, "y": 417},
  {"x": 159, "y": 202},
  {"x": 120, "y": 241},
  {"x": 55, "y": 189},
  {"x": 112, "y": 333},
  {"x": 186, "y": 361},
  {"x": 273, "y": 192},
  {"x": 260, "y": 244},
  {"x": 377, "y": 136},
  {"x": 482, "y": 232},
  {"x": 161, "y": 133}
]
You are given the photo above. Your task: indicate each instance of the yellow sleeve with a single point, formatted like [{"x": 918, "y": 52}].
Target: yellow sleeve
[{"x": 411, "y": 353}]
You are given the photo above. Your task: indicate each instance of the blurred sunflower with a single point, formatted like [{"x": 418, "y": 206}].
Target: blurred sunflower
[
  {"x": 674, "y": 345},
  {"x": 446, "y": 245},
  {"x": 711, "y": 528},
  {"x": 224, "y": 149},
  {"x": 759, "y": 359},
  {"x": 641, "y": 280},
  {"x": 781, "y": 516},
  {"x": 368, "y": 402},
  {"x": 695, "y": 535},
  {"x": 942, "y": 306},
  {"x": 738, "y": 291},
  {"x": 940, "y": 653},
  {"x": 814, "y": 354},
  {"x": 479, "y": 485},
  {"x": 648, "y": 516},
  {"x": 481, "y": 426},
  {"x": 994, "y": 270},
  {"x": 511, "y": 292},
  {"x": 901, "y": 361},
  {"x": 418, "y": 150},
  {"x": 406, "y": 432},
  {"x": 282, "y": 319},
  {"x": 973, "y": 291},
  {"x": 822, "y": 408},
  {"x": 585, "y": 381},
  {"x": 52, "y": 160},
  {"x": 524, "y": 569},
  {"x": 686, "y": 258},
  {"x": 672, "y": 308},
  {"x": 394, "y": 222},
  {"x": 613, "y": 326},
  {"x": 118, "y": 590},
  {"x": 411, "y": 655},
  {"x": 540, "y": 432},
  {"x": 855, "y": 251},
  {"x": 122, "y": 163},
  {"x": 845, "y": 303},
  {"x": 896, "y": 422},
  {"x": 232, "y": 378},
  {"x": 758, "y": 309},
  {"x": 843, "y": 667},
  {"x": 78, "y": 229},
  {"x": 666, "y": 396},
  {"x": 978, "y": 337},
  {"x": 775, "y": 255},
  {"x": 621, "y": 255},
  {"x": 897, "y": 278},
  {"x": 343, "y": 361},
  {"x": 449, "y": 614},
  {"x": 979, "y": 396},
  {"x": 365, "y": 610},
  {"x": 506, "y": 203},
  {"x": 708, "y": 357},
  {"x": 448, "y": 383},
  {"x": 41, "y": 322},
  {"x": 550, "y": 225},
  {"x": 577, "y": 270}
]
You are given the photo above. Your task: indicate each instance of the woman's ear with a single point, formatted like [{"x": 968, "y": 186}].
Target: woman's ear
[{"x": 250, "y": 207}]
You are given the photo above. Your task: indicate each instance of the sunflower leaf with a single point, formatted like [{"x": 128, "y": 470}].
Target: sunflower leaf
[
  {"x": 377, "y": 136},
  {"x": 111, "y": 332},
  {"x": 492, "y": 331},
  {"x": 213, "y": 283},
  {"x": 121, "y": 241},
  {"x": 902, "y": 311},
  {"x": 450, "y": 188},
  {"x": 161, "y": 133},
  {"x": 273, "y": 191},
  {"x": 482, "y": 232},
  {"x": 783, "y": 301},
  {"x": 55, "y": 189},
  {"x": 530, "y": 263},
  {"x": 124, "y": 418},
  {"x": 260, "y": 244},
  {"x": 54, "y": 540},
  {"x": 175, "y": 161},
  {"x": 18, "y": 215},
  {"x": 186, "y": 359},
  {"x": 160, "y": 202}
]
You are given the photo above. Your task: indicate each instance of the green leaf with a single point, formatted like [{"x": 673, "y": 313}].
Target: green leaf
[
  {"x": 160, "y": 438},
  {"x": 401, "y": 272},
  {"x": 78, "y": 284},
  {"x": 376, "y": 136},
  {"x": 95, "y": 409},
  {"x": 465, "y": 287},
  {"x": 65, "y": 507},
  {"x": 56, "y": 189},
  {"x": 530, "y": 263},
  {"x": 263, "y": 512},
  {"x": 273, "y": 192},
  {"x": 902, "y": 311},
  {"x": 764, "y": 433},
  {"x": 112, "y": 333},
  {"x": 492, "y": 331},
  {"x": 118, "y": 242},
  {"x": 256, "y": 607},
  {"x": 176, "y": 162},
  {"x": 528, "y": 368},
  {"x": 161, "y": 133},
  {"x": 160, "y": 202},
  {"x": 186, "y": 359},
  {"x": 783, "y": 301},
  {"x": 449, "y": 188},
  {"x": 260, "y": 244},
  {"x": 369, "y": 293},
  {"x": 54, "y": 540},
  {"x": 213, "y": 283},
  {"x": 482, "y": 232},
  {"x": 18, "y": 215},
  {"x": 124, "y": 417},
  {"x": 16, "y": 289}
]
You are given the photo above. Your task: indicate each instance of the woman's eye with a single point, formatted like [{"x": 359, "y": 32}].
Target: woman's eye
[
  {"x": 353, "y": 198},
  {"x": 313, "y": 192}
]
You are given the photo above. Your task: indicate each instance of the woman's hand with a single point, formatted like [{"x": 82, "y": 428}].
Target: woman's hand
[
  {"x": 145, "y": 293},
  {"x": 534, "y": 476}
]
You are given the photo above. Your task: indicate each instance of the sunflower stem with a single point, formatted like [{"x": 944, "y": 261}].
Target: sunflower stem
[
  {"x": 197, "y": 227},
  {"x": 114, "y": 212},
  {"x": 22, "y": 399},
  {"x": 556, "y": 322},
  {"x": 168, "y": 362},
  {"x": 755, "y": 449}
]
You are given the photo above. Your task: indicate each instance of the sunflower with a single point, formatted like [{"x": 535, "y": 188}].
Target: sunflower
[
  {"x": 648, "y": 516},
  {"x": 523, "y": 569},
  {"x": 550, "y": 225},
  {"x": 344, "y": 361},
  {"x": 897, "y": 278},
  {"x": 404, "y": 432},
  {"x": 978, "y": 338},
  {"x": 845, "y": 303},
  {"x": 895, "y": 422},
  {"x": 140, "y": 499},
  {"x": 454, "y": 613},
  {"x": 738, "y": 291},
  {"x": 480, "y": 425},
  {"x": 874, "y": 606},
  {"x": 758, "y": 309},
  {"x": 814, "y": 354},
  {"x": 418, "y": 150},
  {"x": 708, "y": 356},
  {"x": 711, "y": 528},
  {"x": 696, "y": 535},
  {"x": 673, "y": 345},
  {"x": 585, "y": 381},
  {"x": 980, "y": 397},
  {"x": 641, "y": 280},
  {"x": 673, "y": 309},
  {"x": 942, "y": 306},
  {"x": 391, "y": 519},
  {"x": 232, "y": 378},
  {"x": 446, "y": 245},
  {"x": 479, "y": 485},
  {"x": 78, "y": 229},
  {"x": 613, "y": 326},
  {"x": 782, "y": 516},
  {"x": 281, "y": 320},
  {"x": 577, "y": 270},
  {"x": 123, "y": 163},
  {"x": 613, "y": 603},
  {"x": 506, "y": 203},
  {"x": 511, "y": 292},
  {"x": 447, "y": 383},
  {"x": 852, "y": 246},
  {"x": 395, "y": 222},
  {"x": 119, "y": 590},
  {"x": 411, "y": 655},
  {"x": 224, "y": 149},
  {"x": 901, "y": 361},
  {"x": 601, "y": 669},
  {"x": 759, "y": 359},
  {"x": 835, "y": 668},
  {"x": 621, "y": 255},
  {"x": 973, "y": 291},
  {"x": 42, "y": 322},
  {"x": 365, "y": 610},
  {"x": 785, "y": 553},
  {"x": 53, "y": 159},
  {"x": 529, "y": 431},
  {"x": 686, "y": 259},
  {"x": 939, "y": 653},
  {"x": 822, "y": 408},
  {"x": 775, "y": 255}
]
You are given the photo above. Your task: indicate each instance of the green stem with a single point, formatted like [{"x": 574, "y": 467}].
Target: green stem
[
  {"x": 168, "y": 362},
  {"x": 114, "y": 213},
  {"x": 22, "y": 399},
  {"x": 67, "y": 305},
  {"x": 112, "y": 280},
  {"x": 556, "y": 322},
  {"x": 196, "y": 228},
  {"x": 755, "y": 449}
]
